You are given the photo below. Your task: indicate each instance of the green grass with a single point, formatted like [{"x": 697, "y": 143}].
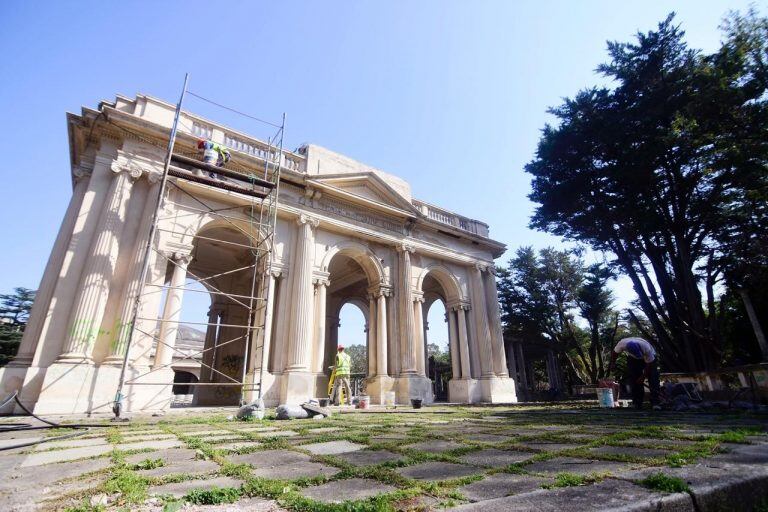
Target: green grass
[
  {"x": 665, "y": 483},
  {"x": 574, "y": 480},
  {"x": 213, "y": 496},
  {"x": 132, "y": 487}
]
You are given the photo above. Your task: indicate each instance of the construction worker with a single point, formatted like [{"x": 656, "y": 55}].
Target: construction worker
[
  {"x": 213, "y": 154},
  {"x": 342, "y": 370},
  {"x": 641, "y": 365}
]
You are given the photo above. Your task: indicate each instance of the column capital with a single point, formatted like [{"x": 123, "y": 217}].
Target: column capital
[
  {"x": 154, "y": 177},
  {"x": 460, "y": 305},
  {"x": 321, "y": 281},
  {"x": 380, "y": 290},
  {"x": 404, "y": 247},
  {"x": 180, "y": 257},
  {"x": 417, "y": 297},
  {"x": 306, "y": 219},
  {"x": 81, "y": 172},
  {"x": 483, "y": 266},
  {"x": 133, "y": 171}
]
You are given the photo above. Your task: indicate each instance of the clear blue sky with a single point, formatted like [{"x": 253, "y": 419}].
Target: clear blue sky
[{"x": 450, "y": 95}]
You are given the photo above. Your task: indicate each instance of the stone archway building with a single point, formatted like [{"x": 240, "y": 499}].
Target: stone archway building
[{"x": 345, "y": 232}]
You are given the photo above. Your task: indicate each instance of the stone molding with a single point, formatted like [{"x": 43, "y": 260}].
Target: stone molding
[{"x": 307, "y": 219}]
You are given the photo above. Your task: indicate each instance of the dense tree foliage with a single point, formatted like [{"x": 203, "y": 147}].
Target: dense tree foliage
[
  {"x": 666, "y": 170},
  {"x": 14, "y": 313},
  {"x": 552, "y": 297}
]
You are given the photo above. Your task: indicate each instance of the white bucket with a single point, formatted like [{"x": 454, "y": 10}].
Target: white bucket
[
  {"x": 210, "y": 156},
  {"x": 389, "y": 398},
  {"x": 363, "y": 401},
  {"x": 605, "y": 397}
]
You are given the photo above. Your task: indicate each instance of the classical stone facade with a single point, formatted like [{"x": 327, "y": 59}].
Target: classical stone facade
[{"x": 345, "y": 233}]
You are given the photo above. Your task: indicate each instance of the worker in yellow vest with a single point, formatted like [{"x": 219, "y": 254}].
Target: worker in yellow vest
[{"x": 342, "y": 370}]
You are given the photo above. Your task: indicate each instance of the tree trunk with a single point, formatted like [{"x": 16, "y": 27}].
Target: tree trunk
[{"x": 759, "y": 334}]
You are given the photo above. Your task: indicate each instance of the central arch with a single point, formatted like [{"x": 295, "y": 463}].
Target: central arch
[{"x": 353, "y": 273}]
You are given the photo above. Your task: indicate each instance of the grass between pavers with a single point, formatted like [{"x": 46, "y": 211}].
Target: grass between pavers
[
  {"x": 665, "y": 483},
  {"x": 363, "y": 428},
  {"x": 566, "y": 479}
]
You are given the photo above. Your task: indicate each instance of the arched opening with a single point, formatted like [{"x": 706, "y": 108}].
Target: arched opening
[
  {"x": 445, "y": 342},
  {"x": 214, "y": 313},
  {"x": 348, "y": 306},
  {"x": 437, "y": 345},
  {"x": 182, "y": 391}
]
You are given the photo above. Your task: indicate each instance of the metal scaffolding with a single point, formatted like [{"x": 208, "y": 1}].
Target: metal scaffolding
[{"x": 259, "y": 191}]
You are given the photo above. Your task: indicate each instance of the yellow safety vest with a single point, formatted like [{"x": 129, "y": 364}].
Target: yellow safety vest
[{"x": 343, "y": 363}]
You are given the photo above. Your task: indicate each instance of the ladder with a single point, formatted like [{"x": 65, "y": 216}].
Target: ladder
[{"x": 260, "y": 187}]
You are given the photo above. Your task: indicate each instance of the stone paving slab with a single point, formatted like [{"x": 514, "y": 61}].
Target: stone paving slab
[
  {"x": 71, "y": 443},
  {"x": 578, "y": 466},
  {"x": 438, "y": 471},
  {"x": 4, "y": 443},
  {"x": 269, "y": 458},
  {"x": 294, "y": 471},
  {"x": 40, "y": 458},
  {"x": 255, "y": 429},
  {"x": 494, "y": 458},
  {"x": 630, "y": 451},
  {"x": 488, "y": 438},
  {"x": 238, "y": 445},
  {"x": 368, "y": 457},
  {"x": 500, "y": 485},
  {"x": 179, "y": 489},
  {"x": 169, "y": 456},
  {"x": 137, "y": 439},
  {"x": 151, "y": 445},
  {"x": 614, "y": 495},
  {"x": 434, "y": 446},
  {"x": 342, "y": 490},
  {"x": 333, "y": 447},
  {"x": 188, "y": 467},
  {"x": 279, "y": 433},
  {"x": 206, "y": 433},
  {"x": 324, "y": 430},
  {"x": 551, "y": 447}
]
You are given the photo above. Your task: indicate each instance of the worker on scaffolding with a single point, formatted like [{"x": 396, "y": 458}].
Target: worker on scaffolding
[
  {"x": 213, "y": 153},
  {"x": 641, "y": 365},
  {"x": 341, "y": 371}
]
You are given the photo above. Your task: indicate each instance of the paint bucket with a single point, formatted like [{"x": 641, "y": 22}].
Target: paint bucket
[
  {"x": 416, "y": 403},
  {"x": 324, "y": 402},
  {"x": 605, "y": 397},
  {"x": 210, "y": 156},
  {"x": 363, "y": 401},
  {"x": 389, "y": 398}
]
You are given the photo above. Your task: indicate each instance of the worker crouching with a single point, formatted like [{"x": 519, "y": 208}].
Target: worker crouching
[{"x": 641, "y": 365}]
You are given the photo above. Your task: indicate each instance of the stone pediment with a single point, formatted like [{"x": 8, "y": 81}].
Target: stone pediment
[{"x": 366, "y": 186}]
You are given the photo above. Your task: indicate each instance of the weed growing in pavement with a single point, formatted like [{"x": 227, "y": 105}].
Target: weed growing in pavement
[
  {"x": 132, "y": 487},
  {"x": 572, "y": 480},
  {"x": 661, "y": 482},
  {"x": 149, "y": 464},
  {"x": 213, "y": 496}
]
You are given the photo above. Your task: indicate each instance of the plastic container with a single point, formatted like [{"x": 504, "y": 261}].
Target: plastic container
[
  {"x": 363, "y": 401},
  {"x": 605, "y": 398},
  {"x": 389, "y": 398},
  {"x": 416, "y": 403},
  {"x": 324, "y": 402}
]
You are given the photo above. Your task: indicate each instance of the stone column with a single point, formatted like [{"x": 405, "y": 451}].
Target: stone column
[
  {"x": 453, "y": 336},
  {"x": 132, "y": 285},
  {"x": 91, "y": 299},
  {"x": 494, "y": 320},
  {"x": 461, "y": 313},
  {"x": 381, "y": 333},
  {"x": 321, "y": 287},
  {"x": 483, "y": 331},
  {"x": 370, "y": 330},
  {"x": 51, "y": 274},
  {"x": 266, "y": 348},
  {"x": 301, "y": 324},
  {"x": 169, "y": 326},
  {"x": 522, "y": 368},
  {"x": 418, "y": 338},
  {"x": 408, "y": 363}
]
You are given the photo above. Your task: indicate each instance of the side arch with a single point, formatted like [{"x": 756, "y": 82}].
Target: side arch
[
  {"x": 362, "y": 255},
  {"x": 447, "y": 280}
]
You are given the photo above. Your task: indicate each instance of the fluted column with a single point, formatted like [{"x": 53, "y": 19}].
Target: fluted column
[
  {"x": 51, "y": 274},
  {"x": 522, "y": 367},
  {"x": 91, "y": 299},
  {"x": 381, "y": 333},
  {"x": 370, "y": 331},
  {"x": 494, "y": 320},
  {"x": 483, "y": 331},
  {"x": 461, "y": 315},
  {"x": 407, "y": 339},
  {"x": 169, "y": 326},
  {"x": 301, "y": 324},
  {"x": 419, "y": 339},
  {"x": 133, "y": 284},
  {"x": 453, "y": 339},
  {"x": 266, "y": 347},
  {"x": 321, "y": 288}
]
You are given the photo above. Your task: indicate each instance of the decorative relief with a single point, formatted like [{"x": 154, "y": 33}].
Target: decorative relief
[{"x": 336, "y": 207}]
